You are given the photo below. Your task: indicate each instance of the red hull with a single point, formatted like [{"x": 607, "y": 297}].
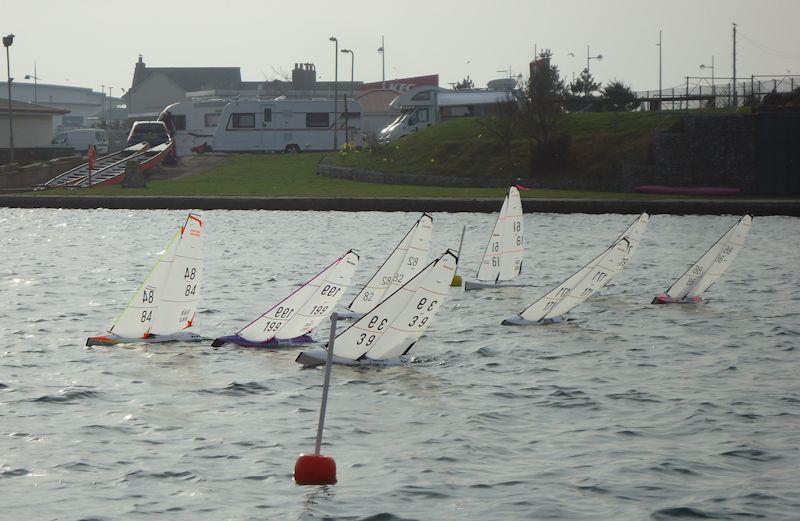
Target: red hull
[{"x": 663, "y": 298}]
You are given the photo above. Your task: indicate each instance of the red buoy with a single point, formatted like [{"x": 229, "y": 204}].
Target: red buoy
[{"x": 314, "y": 469}]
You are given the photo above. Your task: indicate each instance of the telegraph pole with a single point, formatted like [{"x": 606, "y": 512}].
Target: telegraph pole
[
  {"x": 735, "y": 96},
  {"x": 659, "y": 69}
]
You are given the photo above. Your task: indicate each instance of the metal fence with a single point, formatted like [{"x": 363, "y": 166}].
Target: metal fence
[{"x": 707, "y": 92}]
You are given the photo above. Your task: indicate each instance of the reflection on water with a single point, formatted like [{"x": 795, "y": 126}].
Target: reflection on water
[{"x": 628, "y": 411}]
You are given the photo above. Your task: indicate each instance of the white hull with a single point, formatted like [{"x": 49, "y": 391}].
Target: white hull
[
  {"x": 474, "y": 284},
  {"x": 318, "y": 357}
]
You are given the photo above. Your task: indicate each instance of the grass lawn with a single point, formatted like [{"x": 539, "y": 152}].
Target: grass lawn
[
  {"x": 283, "y": 175},
  {"x": 462, "y": 147}
]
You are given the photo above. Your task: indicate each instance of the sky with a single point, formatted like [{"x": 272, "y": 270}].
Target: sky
[{"x": 89, "y": 43}]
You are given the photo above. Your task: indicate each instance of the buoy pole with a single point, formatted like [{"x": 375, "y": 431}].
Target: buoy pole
[
  {"x": 326, "y": 383},
  {"x": 457, "y": 278},
  {"x": 316, "y": 469}
]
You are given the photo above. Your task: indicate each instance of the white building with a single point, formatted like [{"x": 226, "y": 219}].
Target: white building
[
  {"x": 32, "y": 124},
  {"x": 82, "y": 103}
]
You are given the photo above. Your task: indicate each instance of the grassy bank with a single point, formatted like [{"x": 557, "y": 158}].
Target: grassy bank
[
  {"x": 284, "y": 175},
  {"x": 598, "y": 143}
]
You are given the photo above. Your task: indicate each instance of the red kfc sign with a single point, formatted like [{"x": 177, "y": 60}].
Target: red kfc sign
[{"x": 403, "y": 84}]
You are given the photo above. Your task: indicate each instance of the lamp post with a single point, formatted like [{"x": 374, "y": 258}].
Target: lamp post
[
  {"x": 702, "y": 66},
  {"x": 599, "y": 57},
  {"x": 102, "y": 100},
  {"x": 352, "y": 80},
  {"x": 335, "y": 93},
  {"x": 7, "y": 41},
  {"x": 35, "y": 79},
  {"x": 382, "y": 52},
  {"x": 659, "y": 68}
]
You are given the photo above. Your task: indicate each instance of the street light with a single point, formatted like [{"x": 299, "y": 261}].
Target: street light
[
  {"x": 7, "y": 41},
  {"x": 335, "y": 93},
  {"x": 712, "y": 72},
  {"x": 599, "y": 57},
  {"x": 35, "y": 79},
  {"x": 352, "y": 80},
  {"x": 382, "y": 52}
]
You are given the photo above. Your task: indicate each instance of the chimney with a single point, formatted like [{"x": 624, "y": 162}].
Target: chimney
[{"x": 304, "y": 76}]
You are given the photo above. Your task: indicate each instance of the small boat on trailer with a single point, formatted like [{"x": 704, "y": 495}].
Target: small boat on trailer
[
  {"x": 565, "y": 297},
  {"x": 406, "y": 260},
  {"x": 290, "y": 321},
  {"x": 708, "y": 268},
  {"x": 502, "y": 260},
  {"x": 110, "y": 169},
  {"x": 391, "y": 328},
  {"x": 164, "y": 306}
]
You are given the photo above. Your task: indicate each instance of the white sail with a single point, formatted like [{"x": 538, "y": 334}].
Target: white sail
[
  {"x": 710, "y": 267},
  {"x": 390, "y": 328},
  {"x": 600, "y": 272},
  {"x": 321, "y": 303},
  {"x": 136, "y": 319},
  {"x": 412, "y": 322},
  {"x": 502, "y": 259},
  {"x": 408, "y": 257},
  {"x": 178, "y": 303},
  {"x": 634, "y": 235},
  {"x": 306, "y": 306}
]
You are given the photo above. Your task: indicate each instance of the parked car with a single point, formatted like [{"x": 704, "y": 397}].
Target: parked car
[
  {"x": 153, "y": 133},
  {"x": 81, "y": 138}
]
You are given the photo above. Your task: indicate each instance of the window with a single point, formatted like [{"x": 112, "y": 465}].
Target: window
[
  {"x": 60, "y": 139},
  {"x": 179, "y": 122},
  {"x": 211, "y": 120},
  {"x": 421, "y": 96},
  {"x": 243, "y": 120},
  {"x": 267, "y": 115},
  {"x": 100, "y": 136},
  {"x": 419, "y": 116},
  {"x": 317, "y": 119}
]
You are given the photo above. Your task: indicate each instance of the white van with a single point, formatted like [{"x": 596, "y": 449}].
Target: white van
[{"x": 81, "y": 138}]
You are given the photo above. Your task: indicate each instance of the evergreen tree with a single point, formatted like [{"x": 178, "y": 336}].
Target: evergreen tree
[
  {"x": 584, "y": 84},
  {"x": 542, "y": 110},
  {"x": 618, "y": 97}
]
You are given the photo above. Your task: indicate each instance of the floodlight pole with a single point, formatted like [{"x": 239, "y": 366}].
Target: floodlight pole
[{"x": 7, "y": 41}]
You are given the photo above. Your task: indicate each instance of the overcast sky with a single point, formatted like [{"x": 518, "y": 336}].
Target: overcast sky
[{"x": 96, "y": 42}]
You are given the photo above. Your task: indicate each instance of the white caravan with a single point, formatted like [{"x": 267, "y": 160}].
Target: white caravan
[
  {"x": 194, "y": 122},
  {"x": 425, "y": 106},
  {"x": 285, "y": 125}
]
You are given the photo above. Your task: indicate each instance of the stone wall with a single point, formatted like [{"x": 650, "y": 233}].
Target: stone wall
[
  {"x": 14, "y": 177},
  {"x": 717, "y": 151}
]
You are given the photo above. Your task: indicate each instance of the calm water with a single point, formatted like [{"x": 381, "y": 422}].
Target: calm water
[{"x": 628, "y": 412}]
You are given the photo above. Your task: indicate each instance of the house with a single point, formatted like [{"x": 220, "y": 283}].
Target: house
[{"x": 153, "y": 88}]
